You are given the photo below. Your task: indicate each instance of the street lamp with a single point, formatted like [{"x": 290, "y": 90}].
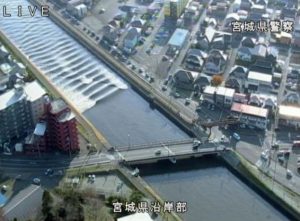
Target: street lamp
[{"x": 129, "y": 141}]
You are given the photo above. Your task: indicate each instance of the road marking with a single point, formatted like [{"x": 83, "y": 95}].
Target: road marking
[{"x": 20, "y": 201}]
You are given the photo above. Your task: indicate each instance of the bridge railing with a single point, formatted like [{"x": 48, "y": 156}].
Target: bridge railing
[{"x": 153, "y": 144}]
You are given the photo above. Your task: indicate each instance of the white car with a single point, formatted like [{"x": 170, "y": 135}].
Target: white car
[
  {"x": 236, "y": 136},
  {"x": 289, "y": 174},
  {"x": 36, "y": 181}
]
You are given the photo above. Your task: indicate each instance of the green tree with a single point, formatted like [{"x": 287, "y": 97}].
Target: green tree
[
  {"x": 47, "y": 205},
  {"x": 136, "y": 196}
]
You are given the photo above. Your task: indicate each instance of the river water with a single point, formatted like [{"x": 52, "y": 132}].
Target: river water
[
  {"x": 107, "y": 100},
  {"x": 125, "y": 118},
  {"x": 211, "y": 191}
]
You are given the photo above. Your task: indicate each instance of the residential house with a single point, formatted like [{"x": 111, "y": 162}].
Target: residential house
[
  {"x": 284, "y": 38},
  {"x": 246, "y": 5},
  {"x": 231, "y": 17},
  {"x": 289, "y": 116},
  {"x": 220, "y": 95},
  {"x": 262, "y": 2},
  {"x": 251, "y": 115},
  {"x": 296, "y": 38},
  {"x": 234, "y": 83},
  {"x": 259, "y": 51},
  {"x": 215, "y": 62},
  {"x": 185, "y": 79},
  {"x": 131, "y": 39},
  {"x": 268, "y": 101},
  {"x": 257, "y": 81},
  {"x": 110, "y": 34},
  {"x": 254, "y": 16},
  {"x": 258, "y": 8},
  {"x": 244, "y": 54},
  {"x": 240, "y": 98},
  {"x": 195, "y": 59},
  {"x": 238, "y": 71},
  {"x": 202, "y": 81},
  {"x": 137, "y": 23},
  {"x": 204, "y": 40},
  {"x": 288, "y": 13},
  {"x": 248, "y": 42},
  {"x": 218, "y": 43},
  {"x": 272, "y": 55},
  {"x": 263, "y": 66}
]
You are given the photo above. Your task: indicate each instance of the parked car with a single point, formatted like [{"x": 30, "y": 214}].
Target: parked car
[
  {"x": 289, "y": 174},
  {"x": 236, "y": 136}
]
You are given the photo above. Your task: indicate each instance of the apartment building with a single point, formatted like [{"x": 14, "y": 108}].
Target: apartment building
[
  {"x": 62, "y": 127},
  {"x": 174, "y": 8},
  {"x": 19, "y": 110}
]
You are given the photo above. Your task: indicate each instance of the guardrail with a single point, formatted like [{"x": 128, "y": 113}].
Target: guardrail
[
  {"x": 153, "y": 144},
  {"x": 165, "y": 157}
]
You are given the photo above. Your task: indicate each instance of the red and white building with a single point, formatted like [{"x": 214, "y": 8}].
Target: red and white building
[
  {"x": 251, "y": 115},
  {"x": 62, "y": 127}
]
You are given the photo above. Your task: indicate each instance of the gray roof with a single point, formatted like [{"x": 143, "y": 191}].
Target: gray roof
[{"x": 132, "y": 34}]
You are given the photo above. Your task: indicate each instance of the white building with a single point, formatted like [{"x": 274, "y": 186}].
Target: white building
[
  {"x": 289, "y": 116},
  {"x": 35, "y": 96},
  {"x": 256, "y": 81},
  {"x": 80, "y": 11},
  {"x": 220, "y": 95}
]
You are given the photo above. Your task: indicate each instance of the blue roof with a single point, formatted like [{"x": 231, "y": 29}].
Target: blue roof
[{"x": 178, "y": 37}]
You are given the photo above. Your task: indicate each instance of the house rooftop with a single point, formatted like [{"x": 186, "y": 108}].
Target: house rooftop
[
  {"x": 57, "y": 106},
  {"x": 253, "y": 75},
  {"x": 289, "y": 112},
  {"x": 249, "y": 110},
  {"x": 34, "y": 91},
  {"x": 11, "y": 97},
  {"x": 223, "y": 91},
  {"x": 178, "y": 37}
]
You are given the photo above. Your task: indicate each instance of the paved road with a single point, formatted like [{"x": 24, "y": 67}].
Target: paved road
[
  {"x": 25, "y": 204},
  {"x": 283, "y": 82}
]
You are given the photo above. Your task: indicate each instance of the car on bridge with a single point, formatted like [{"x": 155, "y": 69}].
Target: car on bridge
[
  {"x": 158, "y": 152},
  {"x": 36, "y": 181},
  {"x": 236, "y": 136},
  {"x": 196, "y": 144}
]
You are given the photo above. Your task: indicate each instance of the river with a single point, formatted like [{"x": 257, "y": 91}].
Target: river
[{"x": 212, "y": 192}]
